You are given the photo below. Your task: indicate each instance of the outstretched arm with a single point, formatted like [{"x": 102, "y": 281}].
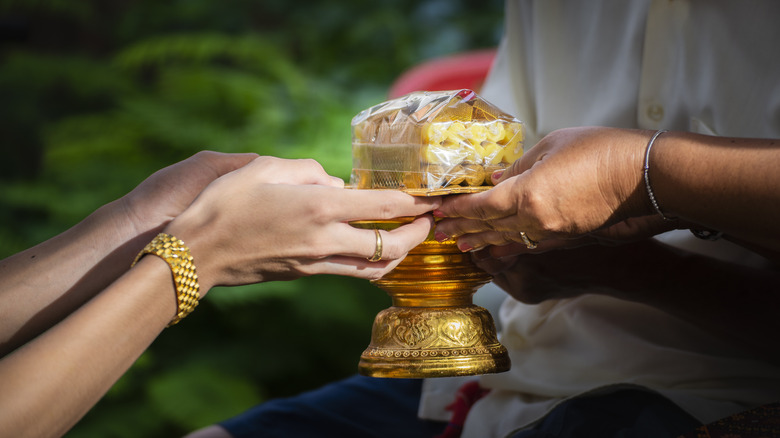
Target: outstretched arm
[
  {"x": 583, "y": 185},
  {"x": 256, "y": 223}
]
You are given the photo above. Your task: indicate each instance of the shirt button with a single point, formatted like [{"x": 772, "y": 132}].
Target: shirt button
[{"x": 655, "y": 112}]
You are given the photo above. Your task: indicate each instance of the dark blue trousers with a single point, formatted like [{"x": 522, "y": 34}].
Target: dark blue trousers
[
  {"x": 627, "y": 413},
  {"x": 359, "y": 407},
  {"x": 370, "y": 407}
]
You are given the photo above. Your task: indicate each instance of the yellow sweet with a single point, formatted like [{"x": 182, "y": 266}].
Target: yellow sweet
[
  {"x": 442, "y": 175},
  {"x": 475, "y": 153},
  {"x": 494, "y": 153},
  {"x": 435, "y": 133},
  {"x": 476, "y": 133},
  {"x": 512, "y": 152},
  {"x": 473, "y": 174},
  {"x": 514, "y": 132},
  {"x": 456, "y": 128},
  {"x": 495, "y": 131},
  {"x": 457, "y": 152},
  {"x": 441, "y": 154}
]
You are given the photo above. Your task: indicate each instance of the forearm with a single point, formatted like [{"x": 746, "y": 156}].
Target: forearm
[
  {"x": 47, "y": 385},
  {"x": 726, "y": 184},
  {"x": 43, "y": 284}
]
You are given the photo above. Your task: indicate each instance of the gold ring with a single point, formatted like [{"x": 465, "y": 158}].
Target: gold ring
[
  {"x": 530, "y": 244},
  {"x": 378, "y": 251}
]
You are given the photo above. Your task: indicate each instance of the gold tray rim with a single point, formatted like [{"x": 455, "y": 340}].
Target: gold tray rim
[{"x": 441, "y": 191}]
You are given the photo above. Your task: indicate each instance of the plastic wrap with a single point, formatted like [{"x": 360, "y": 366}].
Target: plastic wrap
[{"x": 433, "y": 143}]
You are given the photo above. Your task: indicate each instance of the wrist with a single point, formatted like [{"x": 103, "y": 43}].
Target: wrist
[
  {"x": 123, "y": 228},
  {"x": 133, "y": 220},
  {"x": 109, "y": 229},
  {"x": 625, "y": 170},
  {"x": 197, "y": 235},
  {"x": 651, "y": 196}
]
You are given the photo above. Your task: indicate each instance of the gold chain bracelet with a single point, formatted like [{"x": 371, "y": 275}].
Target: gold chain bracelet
[{"x": 178, "y": 257}]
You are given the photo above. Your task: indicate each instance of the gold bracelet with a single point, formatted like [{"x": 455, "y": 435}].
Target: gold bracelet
[{"x": 178, "y": 257}]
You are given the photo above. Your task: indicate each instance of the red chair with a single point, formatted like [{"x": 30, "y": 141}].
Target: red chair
[{"x": 464, "y": 70}]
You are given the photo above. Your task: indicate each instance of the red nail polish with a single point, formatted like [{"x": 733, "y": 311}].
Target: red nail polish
[
  {"x": 497, "y": 175},
  {"x": 441, "y": 237},
  {"x": 438, "y": 213},
  {"x": 465, "y": 247}
]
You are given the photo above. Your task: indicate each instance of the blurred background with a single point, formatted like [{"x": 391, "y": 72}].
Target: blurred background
[{"x": 97, "y": 95}]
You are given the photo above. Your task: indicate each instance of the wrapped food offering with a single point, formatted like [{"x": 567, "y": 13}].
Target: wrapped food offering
[{"x": 433, "y": 143}]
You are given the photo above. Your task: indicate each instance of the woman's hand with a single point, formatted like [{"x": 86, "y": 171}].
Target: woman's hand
[
  {"x": 166, "y": 193},
  {"x": 279, "y": 219},
  {"x": 576, "y": 186}
]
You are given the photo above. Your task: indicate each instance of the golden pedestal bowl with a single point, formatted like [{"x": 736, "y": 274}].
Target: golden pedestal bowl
[{"x": 432, "y": 329}]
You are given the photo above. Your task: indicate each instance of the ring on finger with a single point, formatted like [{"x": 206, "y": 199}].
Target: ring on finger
[
  {"x": 530, "y": 244},
  {"x": 378, "y": 251}
]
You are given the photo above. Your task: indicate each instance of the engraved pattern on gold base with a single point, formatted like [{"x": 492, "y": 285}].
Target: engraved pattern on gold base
[
  {"x": 432, "y": 329},
  {"x": 433, "y": 342}
]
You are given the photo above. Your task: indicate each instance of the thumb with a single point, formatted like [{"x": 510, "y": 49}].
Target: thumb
[{"x": 516, "y": 168}]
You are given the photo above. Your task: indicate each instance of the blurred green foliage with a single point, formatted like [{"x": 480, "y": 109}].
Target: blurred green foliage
[{"x": 95, "y": 96}]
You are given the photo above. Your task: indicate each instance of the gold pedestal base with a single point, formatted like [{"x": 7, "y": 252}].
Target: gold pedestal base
[
  {"x": 412, "y": 342},
  {"x": 432, "y": 329}
]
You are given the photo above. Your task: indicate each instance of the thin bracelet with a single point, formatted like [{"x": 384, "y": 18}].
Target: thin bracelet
[{"x": 647, "y": 177}]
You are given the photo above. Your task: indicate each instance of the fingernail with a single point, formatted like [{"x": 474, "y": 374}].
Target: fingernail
[
  {"x": 465, "y": 247},
  {"x": 497, "y": 175},
  {"x": 438, "y": 213},
  {"x": 441, "y": 237}
]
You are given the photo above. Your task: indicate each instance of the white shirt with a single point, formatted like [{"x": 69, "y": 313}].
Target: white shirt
[{"x": 708, "y": 66}]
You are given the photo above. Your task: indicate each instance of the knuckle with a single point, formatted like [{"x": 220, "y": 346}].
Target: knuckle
[
  {"x": 506, "y": 236},
  {"x": 200, "y": 155},
  {"x": 311, "y": 164},
  {"x": 266, "y": 163},
  {"x": 387, "y": 209},
  {"x": 480, "y": 212},
  {"x": 539, "y": 214},
  {"x": 320, "y": 212},
  {"x": 204, "y": 157}
]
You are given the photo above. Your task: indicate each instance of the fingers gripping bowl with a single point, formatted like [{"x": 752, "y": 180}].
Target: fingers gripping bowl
[{"x": 431, "y": 144}]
